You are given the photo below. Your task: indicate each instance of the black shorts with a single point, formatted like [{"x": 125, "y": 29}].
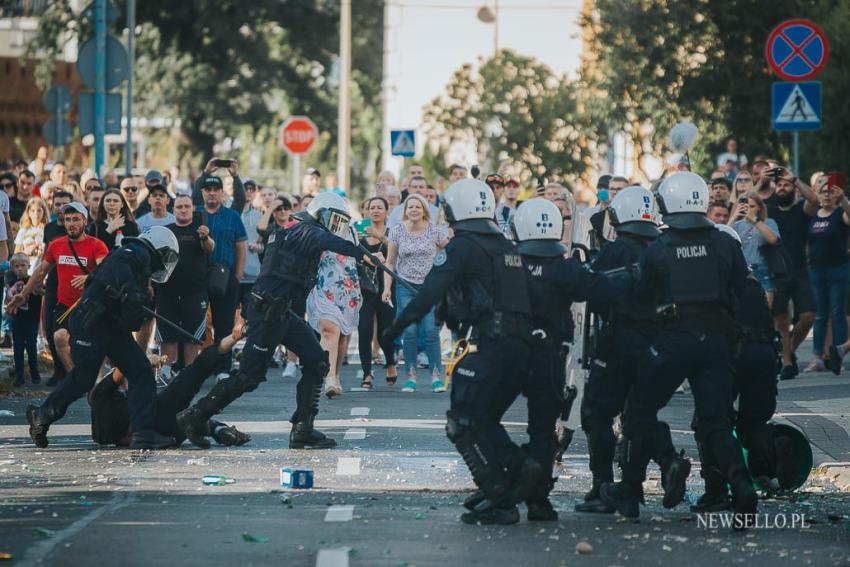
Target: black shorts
[
  {"x": 58, "y": 312},
  {"x": 189, "y": 311},
  {"x": 794, "y": 288}
]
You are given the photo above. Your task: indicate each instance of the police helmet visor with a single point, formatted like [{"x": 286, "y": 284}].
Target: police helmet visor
[
  {"x": 169, "y": 259},
  {"x": 335, "y": 221}
]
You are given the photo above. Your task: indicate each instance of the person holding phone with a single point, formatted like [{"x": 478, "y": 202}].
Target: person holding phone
[
  {"x": 756, "y": 230},
  {"x": 231, "y": 166}
]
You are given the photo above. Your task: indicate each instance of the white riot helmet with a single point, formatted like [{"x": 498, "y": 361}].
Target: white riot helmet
[
  {"x": 537, "y": 227},
  {"x": 164, "y": 244},
  {"x": 331, "y": 211},
  {"x": 633, "y": 211},
  {"x": 726, "y": 229},
  {"x": 683, "y": 200},
  {"x": 470, "y": 205}
]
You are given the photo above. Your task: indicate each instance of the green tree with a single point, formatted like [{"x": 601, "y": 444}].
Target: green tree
[
  {"x": 515, "y": 109},
  {"x": 654, "y": 63}
]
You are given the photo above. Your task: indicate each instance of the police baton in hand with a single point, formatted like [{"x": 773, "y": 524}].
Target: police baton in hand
[
  {"x": 174, "y": 326},
  {"x": 374, "y": 259}
]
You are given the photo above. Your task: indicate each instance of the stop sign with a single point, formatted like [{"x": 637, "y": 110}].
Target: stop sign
[{"x": 298, "y": 135}]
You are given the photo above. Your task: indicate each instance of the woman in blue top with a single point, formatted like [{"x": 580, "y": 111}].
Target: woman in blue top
[
  {"x": 828, "y": 266},
  {"x": 756, "y": 230}
]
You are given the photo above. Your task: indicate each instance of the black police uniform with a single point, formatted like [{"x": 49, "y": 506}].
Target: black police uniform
[
  {"x": 755, "y": 385},
  {"x": 287, "y": 274},
  {"x": 554, "y": 284},
  {"x": 697, "y": 273},
  {"x": 481, "y": 276},
  {"x": 101, "y": 326},
  {"x": 627, "y": 333}
]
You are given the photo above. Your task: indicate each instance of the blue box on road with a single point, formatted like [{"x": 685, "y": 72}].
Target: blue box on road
[{"x": 295, "y": 478}]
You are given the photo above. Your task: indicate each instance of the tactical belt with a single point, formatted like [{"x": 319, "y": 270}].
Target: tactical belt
[{"x": 271, "y": 307}]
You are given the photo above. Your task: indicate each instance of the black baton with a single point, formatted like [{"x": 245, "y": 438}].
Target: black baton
[
  {"x": 174, "y": 326},
  {"x": 393, "y": 275}
]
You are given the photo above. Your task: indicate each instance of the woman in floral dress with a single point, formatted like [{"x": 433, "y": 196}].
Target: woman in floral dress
[{"x": 333, "y": 310}]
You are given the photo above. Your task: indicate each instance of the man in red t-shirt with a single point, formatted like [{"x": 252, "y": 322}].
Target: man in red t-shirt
[{"x": 74, "y": 258}]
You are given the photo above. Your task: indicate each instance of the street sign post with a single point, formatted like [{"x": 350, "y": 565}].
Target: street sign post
[
  {"x": 57, "y": 130},
  {"x": 796, "y": 50},
  {"x": 298, "y": 135},
  {"x": 403, "y": 143},
  {"x": 86, "y": 113}
]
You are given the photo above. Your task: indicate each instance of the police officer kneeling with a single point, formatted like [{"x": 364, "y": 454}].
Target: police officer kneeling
[
  {"x": 627, "y": 333},
  {"x": 481, "y": 276},
  {"x": 102, "y": 324},
  {"x": 695, "y": 275}
]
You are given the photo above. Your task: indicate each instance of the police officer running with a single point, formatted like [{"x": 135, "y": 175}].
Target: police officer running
[
  {"x": 554, "y": 284},
  {"x": 695, "y": 275},
  {"x": 627, "y": 332},
  {"x": 101, "y": 325},
  {"x": 287, "y": 274},
  {"x": 481, "y": 276}
]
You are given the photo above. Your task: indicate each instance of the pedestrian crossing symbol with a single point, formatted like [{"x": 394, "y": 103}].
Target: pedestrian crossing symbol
[
  {"x": 403, "y": 143},
  {"x": 796, "y": 106}
]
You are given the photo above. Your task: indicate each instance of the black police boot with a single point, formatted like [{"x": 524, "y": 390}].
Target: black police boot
[
  {"x": 744, "y": 501},
  {"x": 474, "y": 499},
  {"x": 592, "y": 502},
  {"x": 38, "y": 428},
  {"x": 150, "y": 439},
  {"x": 623, "y": 498},
  {"x": 194, "y": 426},
  {"x": 227, "y": 435},
  {"x": 541, "y": 511},
  {"x": 675, "y": 478},
  {"x": 564, "y": 438},
  {"x": 487, "y": 513},
  {"x": 530, "y": 476},
  {"x": 303, "y": 436}
]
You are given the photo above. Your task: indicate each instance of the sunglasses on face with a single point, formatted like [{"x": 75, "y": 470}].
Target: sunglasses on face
[
  {"x": 744, "y": 179},
  {"x": 131, "y": 189},
  {"x": 6, "y": 185}
]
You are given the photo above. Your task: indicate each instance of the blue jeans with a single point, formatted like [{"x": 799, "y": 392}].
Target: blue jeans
[
  {"x": 830, "y": 285},
  {"x": 426, "y": 327}
]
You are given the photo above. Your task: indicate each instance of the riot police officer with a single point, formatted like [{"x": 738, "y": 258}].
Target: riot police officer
[
  {"x": 627, "y": 332},
  {"x": 482, "y": 278},
  {"x": 287, "y": 274},
  {"x": 554, "y": 284},
  {"x": 101, "y": 325},
  {"x": 769, "y": 455},
  {"x": 694, "y": 275}
]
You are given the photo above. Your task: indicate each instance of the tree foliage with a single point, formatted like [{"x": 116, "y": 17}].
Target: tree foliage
[
  {"x": 653, "y": 63},
  {"x": 516, "y": 109}
]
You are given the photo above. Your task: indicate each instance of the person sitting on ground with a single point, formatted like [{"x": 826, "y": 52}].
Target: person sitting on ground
[{"x": 110, "y": 415}]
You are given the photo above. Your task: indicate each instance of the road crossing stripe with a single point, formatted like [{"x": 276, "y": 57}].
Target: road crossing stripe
[
  {"x": 348, "y": 466},
  {"x": 339, "y": 513},
  {"x": 355, "y": 434},
  {"x": 333, "y": 557},
  {"x": 360, "y": 411}
]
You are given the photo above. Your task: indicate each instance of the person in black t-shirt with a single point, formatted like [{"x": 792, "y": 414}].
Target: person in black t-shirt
[
  {"x": 53, "y": 230},
  {"x": 792, "y": 217},
  {"x": 183, "y": 298}
]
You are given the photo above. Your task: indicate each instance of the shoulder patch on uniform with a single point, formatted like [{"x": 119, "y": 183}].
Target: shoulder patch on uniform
[{"x": 440, "y": 258}]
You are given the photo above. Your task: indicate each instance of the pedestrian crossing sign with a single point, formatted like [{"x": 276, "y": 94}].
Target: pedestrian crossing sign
[
  {"x": 403, "y": 143},
  {"x": 796, "y": 106}
]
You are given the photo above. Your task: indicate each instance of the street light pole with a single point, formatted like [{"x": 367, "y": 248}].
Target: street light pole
[
  {"x": 344, "y": 119},
  {"x": 131, "y": 52},
  {"x": 99, "y": 85}
]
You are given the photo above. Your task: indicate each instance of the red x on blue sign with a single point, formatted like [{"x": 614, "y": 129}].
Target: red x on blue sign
[{"x": 797, "y": 50}]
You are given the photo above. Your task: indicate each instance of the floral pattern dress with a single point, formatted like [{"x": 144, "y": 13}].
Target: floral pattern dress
[{"x": 336, "y": 296}]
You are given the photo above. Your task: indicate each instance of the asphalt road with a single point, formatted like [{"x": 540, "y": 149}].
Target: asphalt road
[{"x": 388, "y": 495}]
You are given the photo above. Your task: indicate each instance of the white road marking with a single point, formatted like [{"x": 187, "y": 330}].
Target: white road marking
[
  {"x": 358, "y": 389},
  {"x": 363, "y": 412},
  {"x": 341, "y": 513},
  {"x": 355, "y": 434},
  {"x": 348, "y": 466},
  {"x": 333, "y": 557}
]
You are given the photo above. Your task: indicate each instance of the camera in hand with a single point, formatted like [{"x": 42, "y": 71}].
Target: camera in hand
[{"x": 224, "y": 163}]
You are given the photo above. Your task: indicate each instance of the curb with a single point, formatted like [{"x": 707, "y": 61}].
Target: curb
[{"x": 837, "y": 473}]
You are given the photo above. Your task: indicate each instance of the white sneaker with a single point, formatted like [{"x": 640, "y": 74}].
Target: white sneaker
[
  {"x": 291, "y": 370},
  {"x": 221, "y": 376},
  {"x": 422, "y": 360}
]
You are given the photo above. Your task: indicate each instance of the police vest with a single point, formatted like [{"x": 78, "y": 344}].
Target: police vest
[
  {"x": 633, "y": 311},
  {"x": 548, "y": 311},
  {"x": 692, "y": 263},
  {"x": 280, "y": 263}
]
